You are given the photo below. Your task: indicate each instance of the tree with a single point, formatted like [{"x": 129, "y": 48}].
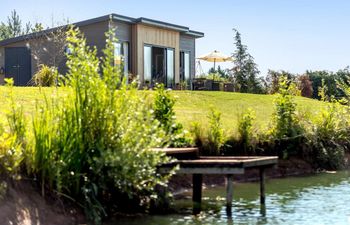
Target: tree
[
  {"x": 49, "y": 47},
  {"x": 245, "y": 71},
  {"x": 330, "y": 81},
  {"x": 37, "y": 27},
  {"x": 13, "y": 27},
  {"x": 223, "y": 73},
  {"x": 305, "y": 86},
  {"x": 4, "y": 31},
  {"x": 273, "y": 78}
]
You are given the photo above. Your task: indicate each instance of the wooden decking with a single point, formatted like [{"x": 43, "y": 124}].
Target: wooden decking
[
  {"x": 197, "y": 166},
  {"x": 174, "y": 151},
  {"x": 219, "y": 165}
]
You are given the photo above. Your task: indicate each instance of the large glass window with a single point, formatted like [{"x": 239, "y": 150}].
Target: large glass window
[
  {"x": 126, "y": 59},
  {"x": 158, "y": 65},
  {"x": 147, "y": 63},
  {"x": 185, "y": 66},
  {"x": 117, "y": 54},
  {"x": 187, "y": 75},
  {"x": 121, "y": 57},
  {"x": 170, "y": 67}
]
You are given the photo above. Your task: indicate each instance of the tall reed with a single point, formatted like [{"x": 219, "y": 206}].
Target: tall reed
[{"x": 93, "y": 144}]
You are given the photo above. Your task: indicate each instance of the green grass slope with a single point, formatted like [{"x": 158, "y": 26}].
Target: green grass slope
[
  {"x": 195, "y": 106},
  {"x": 190, "y": 105}
]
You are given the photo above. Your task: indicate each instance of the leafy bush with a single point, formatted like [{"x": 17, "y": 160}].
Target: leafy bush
[
  {"x": 46, "y": 76},
  {"x": 10, "y": 154},
  {"x": 215, "y": 132},
  {"x": 245, "y": 129},
  {"x": 285, "y": 135},
  {"x": 285, "y": 121},
  {"x": 216, "y": 77},
  {"x": 12, "y": 139},
  {"x": 94, "y": 144},
  {"x": 165, "y": 114},
  {"x": 328, "y": 138},
  {"x": 197, "y": 134},
  {"x": 273, "y": 79}
]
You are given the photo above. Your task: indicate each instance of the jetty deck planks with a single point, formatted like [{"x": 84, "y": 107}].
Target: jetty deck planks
[{"x": 220, "y": 165}]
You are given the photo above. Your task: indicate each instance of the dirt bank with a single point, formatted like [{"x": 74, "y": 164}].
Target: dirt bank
[{"x": 21, "y": 203}]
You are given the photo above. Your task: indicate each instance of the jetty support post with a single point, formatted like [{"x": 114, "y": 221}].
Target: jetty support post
[
  {"x": 197, "y": 193},
  {"x": 229, "y": 194},
  {"x": 262, "y": 185}
]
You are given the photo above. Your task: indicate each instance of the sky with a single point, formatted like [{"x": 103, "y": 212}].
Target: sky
[{"x": 291, "y": 35}]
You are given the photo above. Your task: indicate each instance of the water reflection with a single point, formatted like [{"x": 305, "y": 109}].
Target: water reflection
[{"x": 319, "y": 199}]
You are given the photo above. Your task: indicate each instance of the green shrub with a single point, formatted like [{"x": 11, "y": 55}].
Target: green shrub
[
  {"x": 10, "y": 154},
  {"x": 94, "y": 144},
  {"x": 215, "y": 132},
  {"x": 284, "y": 118},
  {"x": 46, "y": 76},
  {"x": 165, "y": 114},
  {"x": 285, "y": 134},
  {"x": 245, "y": 129},
  {"x": 216, "y": 77},
  {"x": 197, "y": 134},
  {"x": 328, "y": 137},
  {"x": 12, "y": 140}
]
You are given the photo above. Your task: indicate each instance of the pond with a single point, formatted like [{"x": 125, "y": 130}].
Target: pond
[{"x": 319, "y": 199}]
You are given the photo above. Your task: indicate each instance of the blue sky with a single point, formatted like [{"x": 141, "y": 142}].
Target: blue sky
[{"x": 294, "y": 35}]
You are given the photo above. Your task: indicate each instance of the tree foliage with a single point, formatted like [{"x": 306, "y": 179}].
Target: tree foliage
[
  {"x": 14, "y": 27},
  {"x": 223, "y": 73},
  {"x": 331, "y": 81},
  {"x": 273, "y": 79},
  {"x": 164, "y": 112},
  {"x": 305, "y": 86},
  {"x": 245, "y": 71},
  {"x": 284, "y": 118}
]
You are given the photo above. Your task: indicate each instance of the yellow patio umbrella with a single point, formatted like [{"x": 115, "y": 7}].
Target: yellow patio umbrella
[{"x": 215, "y": 56}]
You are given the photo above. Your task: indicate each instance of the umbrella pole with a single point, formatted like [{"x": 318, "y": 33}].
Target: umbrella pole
[{"x": 214, "y": 64}]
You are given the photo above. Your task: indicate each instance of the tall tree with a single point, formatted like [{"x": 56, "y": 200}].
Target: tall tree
[
  {"x": 245, "y": 70},
  {"x": 14, "y": 24},
  {"x": 13, "y": 27}
]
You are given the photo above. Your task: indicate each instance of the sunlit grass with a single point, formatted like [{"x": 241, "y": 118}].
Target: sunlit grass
[
  {"x": 190, "y": 105},
  {"x": 195, "y": 105}
]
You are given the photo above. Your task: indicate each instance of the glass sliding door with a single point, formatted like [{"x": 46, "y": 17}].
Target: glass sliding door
[
  {"x": 121, "y": 57},
  {"x": 158, "y": 65},
  {"x": 187, "y": 71},
  {"x": 169, "y": 67},
  {"x": 126, "y": 60},
  {"x": 117, "y": 54},
  {"x": 147, "y": 64}
]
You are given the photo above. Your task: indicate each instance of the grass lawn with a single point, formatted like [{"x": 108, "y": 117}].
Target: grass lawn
[
  {"x": 190, "y": 106},
  {"x": 195, "y": 106}
]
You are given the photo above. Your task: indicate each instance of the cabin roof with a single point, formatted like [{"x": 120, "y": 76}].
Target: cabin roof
[{"x": 114, "y": 17}]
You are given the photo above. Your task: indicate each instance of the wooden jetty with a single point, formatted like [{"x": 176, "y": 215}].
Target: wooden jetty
[{"x": 190, "y": 163}]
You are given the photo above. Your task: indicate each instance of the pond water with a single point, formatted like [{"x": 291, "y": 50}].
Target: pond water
[{"x": 317, "y": 199}]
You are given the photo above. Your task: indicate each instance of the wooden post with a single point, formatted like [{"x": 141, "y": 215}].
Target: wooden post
[
  {"x": 263, "y": 210},
  {"x": 229, "y": 194},
  {"x": 197, "y": 193},
  {"x": 262, "y": 185}
]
